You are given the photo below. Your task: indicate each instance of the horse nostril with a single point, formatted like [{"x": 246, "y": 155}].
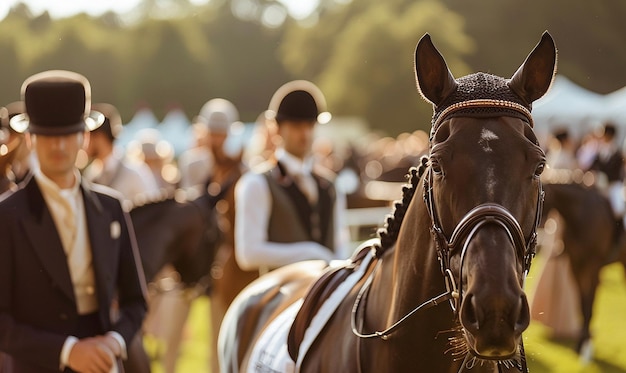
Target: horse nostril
[
  {"x": 523, "y": 319},
  {"x": 469, "y": 318}
]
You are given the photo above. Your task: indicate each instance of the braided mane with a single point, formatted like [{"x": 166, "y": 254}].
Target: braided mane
[{"x": 389, "y": 232}]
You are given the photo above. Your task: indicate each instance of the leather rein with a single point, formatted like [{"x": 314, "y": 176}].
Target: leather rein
[{"x": 465, "y": 230}]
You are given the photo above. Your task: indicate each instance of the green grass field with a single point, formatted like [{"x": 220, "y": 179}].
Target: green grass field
[
  {"x": 544, "y": 356},
  {"x": 608, "y": 328}
]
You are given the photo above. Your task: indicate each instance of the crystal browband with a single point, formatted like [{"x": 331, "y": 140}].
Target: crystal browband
[{"x": 484, "y": 103}]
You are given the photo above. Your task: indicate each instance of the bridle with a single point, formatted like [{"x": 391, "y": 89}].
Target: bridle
[
  {"x": 480, "y": 215},
  {"x": 465, "y": 230}
]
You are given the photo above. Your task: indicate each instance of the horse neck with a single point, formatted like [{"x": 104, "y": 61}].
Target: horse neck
[
  {"x": 563, "y": 198},
  {"x": 416, "y": 269},
  {"x": 410, "y": 275},
  {"x": 411, "y": 268}
]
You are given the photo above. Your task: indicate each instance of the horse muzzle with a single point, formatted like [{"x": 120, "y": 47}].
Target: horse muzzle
[{"x": 493, "y": 326}]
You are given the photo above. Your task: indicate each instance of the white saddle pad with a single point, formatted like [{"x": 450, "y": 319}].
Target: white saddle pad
[{"x": 270, "y": 354}]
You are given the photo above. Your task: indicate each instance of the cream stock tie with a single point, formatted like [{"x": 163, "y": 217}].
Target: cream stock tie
[{"x": 307, "y": 186}]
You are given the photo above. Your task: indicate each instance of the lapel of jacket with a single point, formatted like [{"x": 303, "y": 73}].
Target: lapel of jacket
[
  {"x": 99, "y": 226},
  {"x": 42, "y": 233}
]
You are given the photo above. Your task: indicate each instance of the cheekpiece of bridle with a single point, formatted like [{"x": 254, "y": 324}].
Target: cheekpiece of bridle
[{"x": 486, "y": 213}]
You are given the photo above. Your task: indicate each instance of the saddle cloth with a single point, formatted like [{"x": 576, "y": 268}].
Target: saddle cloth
[{"x": 270, "y": 353}]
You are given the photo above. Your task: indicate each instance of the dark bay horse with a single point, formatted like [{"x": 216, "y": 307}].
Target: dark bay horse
[
  {"x": 442, "y": 289},
  {"x": 590, "y": 237},
  {"x": 178, "y": 231}
]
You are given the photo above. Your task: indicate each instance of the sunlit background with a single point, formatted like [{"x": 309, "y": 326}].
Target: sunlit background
[
  {"x": 164, "y": 54},
  {"x": 159, "y": 61},
  {"x": 67, "y": 8}
]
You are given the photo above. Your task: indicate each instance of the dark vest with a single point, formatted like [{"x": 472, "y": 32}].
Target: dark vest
[
  {"x": 612, "y": 166},
  {"x": 292, "y": 218}
]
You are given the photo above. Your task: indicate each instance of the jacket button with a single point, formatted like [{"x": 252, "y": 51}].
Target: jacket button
[{"x": 63, "y": 316}]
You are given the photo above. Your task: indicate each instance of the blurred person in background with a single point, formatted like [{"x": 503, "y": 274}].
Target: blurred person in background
[
  {"x": 555, "y": 299},
  {"x": 288, "y": 209},
  {"x": 150, "y": 148},
  {"x": 204, "y": 163},
  {"x": 561, "y": 152},
  {"x": 262, "y": 144},
  {"x": 214, "y": 168},
  {"x": 7, "y": 153},
  {"x": 23, "y": 159},
  {"x": 109, "y": 165},
  {"x": 14, "y": 157},
  {"x": 609, "y": 161}
]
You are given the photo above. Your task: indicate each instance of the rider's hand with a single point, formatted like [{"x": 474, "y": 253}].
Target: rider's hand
[
  {"x": 111, "y": 343},
  {"x": 91, "y": 355}
]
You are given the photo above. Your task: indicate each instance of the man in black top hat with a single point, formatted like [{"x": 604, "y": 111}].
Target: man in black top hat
[
  {"x": 288, "y": 210},
  {"x": 68, "y": 247}
]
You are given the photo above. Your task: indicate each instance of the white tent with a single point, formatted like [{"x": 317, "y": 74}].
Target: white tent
[
  {"x": 143, "y": 118},
  {"x": 177, "y": 130},
  {"x": 616, "y": 107},
  {"x": 568, "y": 105}
]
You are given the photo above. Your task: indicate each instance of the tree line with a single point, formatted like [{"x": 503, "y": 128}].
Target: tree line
[{"x": 359, "y": 52}]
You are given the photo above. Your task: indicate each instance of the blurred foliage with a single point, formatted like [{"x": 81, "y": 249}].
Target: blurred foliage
[
  {"x": 170, "y": 53},
  {"x": 366, "y": 64}
]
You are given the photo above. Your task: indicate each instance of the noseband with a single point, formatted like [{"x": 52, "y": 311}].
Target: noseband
[{"x": 465, "y": 230}]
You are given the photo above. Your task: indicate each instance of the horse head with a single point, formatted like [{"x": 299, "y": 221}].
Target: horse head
[{"x": 483, "y": 192}]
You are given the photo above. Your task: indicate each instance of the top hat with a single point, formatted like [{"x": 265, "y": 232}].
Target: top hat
[
  {"x": 11, "y": 110},
  {"x": 609, "y": 130},
  {"x": 57, "y": 103},
  {"x": 298, "y": 100},
  {"x": 218, "y": 115},
  {"x": 112, "y": 125}
]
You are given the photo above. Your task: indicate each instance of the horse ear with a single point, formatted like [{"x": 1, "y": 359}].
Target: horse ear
[
  {"x": 533, "y": 79},
  {"x": 434, "y": 80}
]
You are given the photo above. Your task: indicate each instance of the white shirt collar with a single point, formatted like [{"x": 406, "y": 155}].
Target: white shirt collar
[
  {"x": 293, "y": 164},
  {"x": 49, "y": 186}
]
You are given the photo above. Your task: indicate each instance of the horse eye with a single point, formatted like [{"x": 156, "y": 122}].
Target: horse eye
[
  {"x": 434, "y": 164},
  {"x": 539, "y": 169}
]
